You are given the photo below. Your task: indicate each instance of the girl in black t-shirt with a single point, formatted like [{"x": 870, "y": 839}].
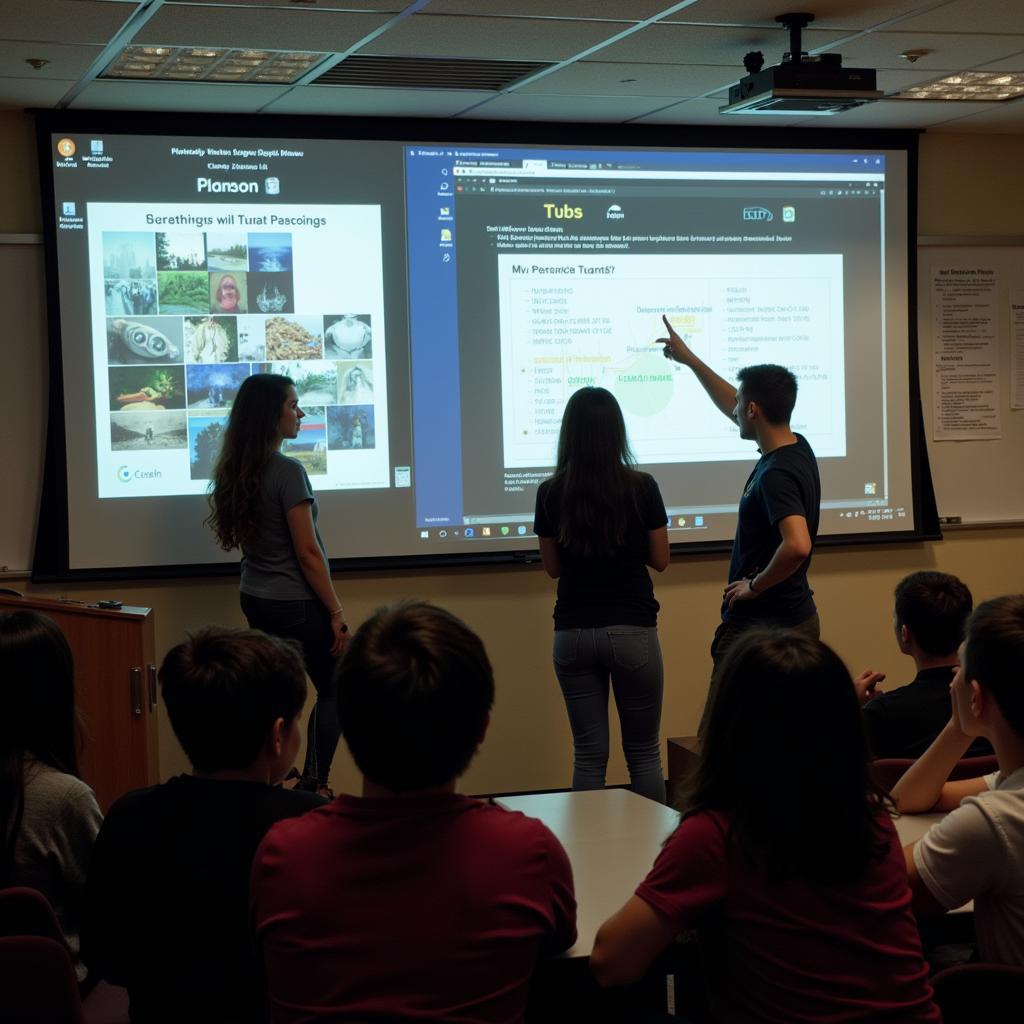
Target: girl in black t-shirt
[{"x": 600, "y": 523}]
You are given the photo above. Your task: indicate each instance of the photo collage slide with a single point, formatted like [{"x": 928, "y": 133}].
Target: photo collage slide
[{"x": 190, "y": 315}]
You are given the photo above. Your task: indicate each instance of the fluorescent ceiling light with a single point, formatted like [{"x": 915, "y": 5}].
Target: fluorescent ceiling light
[
  {"x": 211, "y": 64},
  {"x": 976, "y": 86}
]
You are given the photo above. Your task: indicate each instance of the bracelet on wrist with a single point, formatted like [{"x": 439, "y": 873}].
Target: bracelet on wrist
[
  {"x": 751, "y": 582},
  {"x": 337, "y": 611}
]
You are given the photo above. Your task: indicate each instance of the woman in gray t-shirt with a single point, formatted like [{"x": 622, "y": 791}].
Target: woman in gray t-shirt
[{"x": 262, "y": 502}]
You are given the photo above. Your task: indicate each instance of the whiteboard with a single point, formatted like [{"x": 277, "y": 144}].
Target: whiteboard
[{"x": 976, "y": 482}]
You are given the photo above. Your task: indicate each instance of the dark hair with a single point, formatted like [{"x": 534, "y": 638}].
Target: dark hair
[
  {"x": 225, "y": 688},
  {"x": 38, "y": 676},
  {"x": 934, "y": 607},
  {"x": 248, "y": 443},
  {"x": 785, "y": 713},
  {"x": 772, "y": 387},
  {"x": 595, "y": 482},
  {"x": 995, "y": 655},
  {"x": 414, "y": 691}
]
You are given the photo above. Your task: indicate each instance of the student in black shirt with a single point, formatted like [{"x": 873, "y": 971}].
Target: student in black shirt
[
  {"x": 779, "y": 508},
  {"x": 601, "y": 523},
  {"x": 167, "y": 897},
  {"x": 930, "y": 617}
]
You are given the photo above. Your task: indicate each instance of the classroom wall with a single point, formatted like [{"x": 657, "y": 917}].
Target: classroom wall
[{"x": 968, "y": 185}]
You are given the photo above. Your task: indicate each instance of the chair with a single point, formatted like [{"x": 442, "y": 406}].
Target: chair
[
  {"x": 37, "y": 982},
  {"x": 27, "y": 913},
  {"x": 889, "y": 770},
  {"x": 974, "y": 992}
]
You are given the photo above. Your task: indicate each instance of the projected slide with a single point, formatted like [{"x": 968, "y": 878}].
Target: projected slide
[
  {"x": 187, "y": 304},
  {"x": 572, "y": 321}
]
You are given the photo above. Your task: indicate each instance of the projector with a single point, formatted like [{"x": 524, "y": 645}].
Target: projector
[{"x": 800, "y": 85}]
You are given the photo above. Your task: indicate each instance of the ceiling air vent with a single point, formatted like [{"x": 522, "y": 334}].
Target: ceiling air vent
[{"x": 429, "y": 73}]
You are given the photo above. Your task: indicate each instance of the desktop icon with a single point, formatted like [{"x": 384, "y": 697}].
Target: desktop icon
[
  {"x": 789, "y": 214},
  {"x": 469, "y": 531},
  {"x": 96, "y": 147},
  {"x": 521, "y": 530},
  {"x": 66, "y": 148},
  {"x": 446, "y": 234},
  {"x": 444, "y": 211},
  {"x": 68, "y": 209},
  {"x": 424, "y": 535},
  {"x": 698, "y": 520},
  {"x": 504, "y": 531},
  {"x": 485, "y": 531}
]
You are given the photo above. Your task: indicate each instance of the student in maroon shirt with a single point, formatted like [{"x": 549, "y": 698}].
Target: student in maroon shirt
[
  {"x": 798, "y": 896},
  {"x": 410, "y": 902}
]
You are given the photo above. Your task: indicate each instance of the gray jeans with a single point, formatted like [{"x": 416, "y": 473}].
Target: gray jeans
[{"x": 630, "y": 658}]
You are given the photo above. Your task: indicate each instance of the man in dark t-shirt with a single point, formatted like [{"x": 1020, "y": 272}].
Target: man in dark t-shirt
[
  {"x": 929, "y": 617},
  {"x": 779, "y": 508},
  {"x": 167, "y": 896}
]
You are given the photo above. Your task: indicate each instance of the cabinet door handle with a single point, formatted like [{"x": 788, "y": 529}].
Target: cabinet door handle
[
  {"x": 151, "y": 685},
  {"x": 136, "y": 677}
]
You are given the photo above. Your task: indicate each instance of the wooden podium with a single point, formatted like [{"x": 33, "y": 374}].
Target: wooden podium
[{"x": 115, "y": 691}]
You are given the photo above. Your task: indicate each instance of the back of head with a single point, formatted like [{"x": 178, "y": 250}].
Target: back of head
[
  {"x": 249, "y": 439},
  {"x": 773, "y": 388},
  {"x": 415, "y": 690},
  {"x": 225, "y": 688},
  {"x": 934, "y": 607},
  {"x": 38, "y": 678},
  {"x": 594, "y": 473},
  {"x": 994, "y": 655},
  {"x": 785, "y": 714}
]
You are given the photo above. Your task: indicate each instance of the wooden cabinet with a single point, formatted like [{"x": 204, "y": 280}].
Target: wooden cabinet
[{"x": 115, "y": 691}]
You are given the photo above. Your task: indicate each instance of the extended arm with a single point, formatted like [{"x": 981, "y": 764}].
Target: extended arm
[
  {"x": 629, "y": 942},
  {"x": 315, "y": 569},
  {"x": 658, "y": 554},
  {"x": 792, "y": 552},
  {"x": 719, "y": 390},
  {"x": 923, "y": 786}
]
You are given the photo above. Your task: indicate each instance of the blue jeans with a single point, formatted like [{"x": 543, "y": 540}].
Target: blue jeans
[
  {"x": 630, "y": 656},
  {"x": 309, "y": 624}
]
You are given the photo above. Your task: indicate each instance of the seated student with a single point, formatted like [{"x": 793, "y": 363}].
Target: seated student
[
  {"x": 410, "y": 902},
  {"x": 48, "y": 816},
  {"x": 168, "y": 889},
  {"x": 977, "y": 851},
  {"x": 799, "y": 898},
  {"x": 930, "y": 615}
]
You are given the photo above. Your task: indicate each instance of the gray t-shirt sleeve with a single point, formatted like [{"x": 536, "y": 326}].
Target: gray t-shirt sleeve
[{"x": 292, "y": 484}]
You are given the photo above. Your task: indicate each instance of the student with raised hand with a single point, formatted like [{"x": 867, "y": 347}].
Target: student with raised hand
[
  {"x": 977, "y": 851},
  {"x": 48, "y": 816},
  {"x": 600, "y": 523},
  {"x": 263, "y": 503},
  {"x": 929, "y": 617},
  {"x": 410, "y": 902},
  {"x": 168, "y": 889},
  {"x": 785, "y": 860}
]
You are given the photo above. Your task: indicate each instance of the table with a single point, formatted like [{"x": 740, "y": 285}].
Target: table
[{"x": 611, "y": 836}]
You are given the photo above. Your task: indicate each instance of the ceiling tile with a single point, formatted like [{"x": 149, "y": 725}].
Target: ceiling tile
[
  {"x": 426, "y": 35},
  {"x": 949, "y": 51},
  {"x": 703, "y": 44},
  {"x": 977, "y": 15},
  {"x": 999, "y": 119},
  {"x": 383, "y": 6},
  {"x": 1014, "y": 63},
  {"x": 828, "y": 14},
  {"x": 184, "y": 96},
  {"x": 66, "y": 62},
  {"x": 364, "y": 102},
  {"x": 900, "y": 114},
  {"x": 586, "y": 78},
  {"x": 70, "y": 21},
  {"x": 705, "y": 111},
  {"x": 612, "y": 109},
  {"x": 295, "y": 29},
  {"x": 611, "y": 10},
  {"x": 20, "y": 93}
]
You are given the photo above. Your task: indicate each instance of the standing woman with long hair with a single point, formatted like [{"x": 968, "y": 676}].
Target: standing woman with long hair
[
  {"x": 785, "y": 860},
  {"x": 48, "y": 816},
  {"x": 262, "y": 502},
  {"x": 600, "y": 523}
]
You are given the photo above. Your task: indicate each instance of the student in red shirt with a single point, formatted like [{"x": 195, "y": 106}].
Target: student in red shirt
[
  {"x": 410, "y": 902},
  {"x": 798, "y": 895}
]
